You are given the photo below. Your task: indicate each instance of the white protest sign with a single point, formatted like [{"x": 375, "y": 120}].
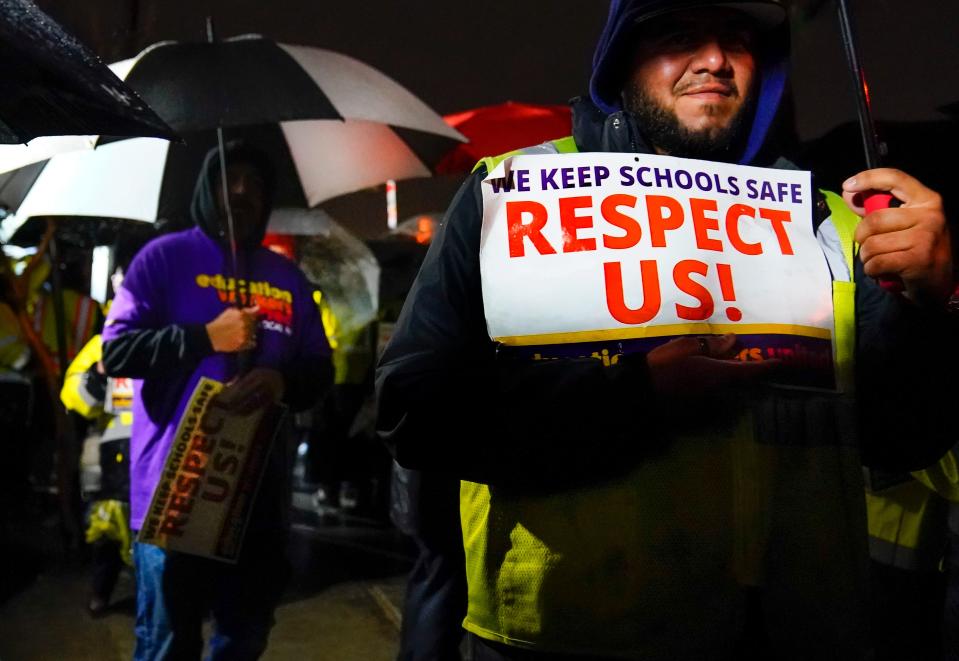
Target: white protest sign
[
  {"x": 204, "y": 498},
  {"x": 589, "y": 247}
]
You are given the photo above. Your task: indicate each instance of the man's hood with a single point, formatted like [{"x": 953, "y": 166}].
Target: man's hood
[
  {"x": 203, "y": 208},
  {"x": 615, "y": 48}
]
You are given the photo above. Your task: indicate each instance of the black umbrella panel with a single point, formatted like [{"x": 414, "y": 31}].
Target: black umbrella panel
[{"x": 53, "y": 85}]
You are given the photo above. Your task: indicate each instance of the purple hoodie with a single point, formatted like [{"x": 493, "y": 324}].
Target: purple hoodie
[{"x": 175, "y": 285}]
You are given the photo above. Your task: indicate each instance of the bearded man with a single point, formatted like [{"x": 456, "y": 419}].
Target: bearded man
[{"x": 670, "y": 504}]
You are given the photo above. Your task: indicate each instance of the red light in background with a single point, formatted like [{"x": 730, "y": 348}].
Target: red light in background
[
  {"x": 424, "y": 230},
  {"x": 283, "y": 244}
]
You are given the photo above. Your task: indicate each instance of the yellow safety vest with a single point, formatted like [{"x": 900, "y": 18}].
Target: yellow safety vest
[
  {"x": 908, "y": 522},
  {"x": 653, "y": 565},
  {"x": 73, "y": 396},
  {"x": 113, "y": 421},
  {"x": 352, "y": 357}
]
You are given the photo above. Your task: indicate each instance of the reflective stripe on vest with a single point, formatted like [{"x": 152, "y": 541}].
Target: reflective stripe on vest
[
  {"x": 565, "y": 145},
  {"x": 653, "y": 565},
  {"x": 844, "y": 293},
  {"x": 119, "y": 427},
  {"x": 81, "y": 316},
  {"x": 907, "y": 526},
  {"x": 908, "y": 522}
]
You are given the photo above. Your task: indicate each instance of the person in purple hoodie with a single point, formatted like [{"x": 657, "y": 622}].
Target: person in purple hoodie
[{"x": 182, "y": 315}]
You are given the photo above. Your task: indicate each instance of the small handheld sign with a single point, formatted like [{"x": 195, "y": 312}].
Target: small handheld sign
[
  {"x": 213, "y": 471},
  {"x": 597, "y": 254}
]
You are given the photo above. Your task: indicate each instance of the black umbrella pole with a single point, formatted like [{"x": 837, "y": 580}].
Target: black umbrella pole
[
  {"x": 230, "y": 230},
  {"x": 244, "y": 361},
  {"x": 228, "y": 212},
  {"x": 871, "y": 200},
  {"x": 245, "y": 358},
  {"x": 867, "y": 125}
]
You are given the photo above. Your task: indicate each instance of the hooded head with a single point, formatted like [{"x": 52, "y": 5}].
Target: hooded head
[
  {"x": 251, "y": 184},
  {"x": 633, "y": 37}
]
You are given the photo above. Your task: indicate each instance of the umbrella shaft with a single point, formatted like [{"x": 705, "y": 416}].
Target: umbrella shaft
[
  {"x": 244, "y": 359},
  {"x": 228, "y": 212},
  {"x": 867, "y": 126}
]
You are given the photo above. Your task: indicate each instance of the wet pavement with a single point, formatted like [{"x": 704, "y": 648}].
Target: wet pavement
[{"x": 343, "y": 602}]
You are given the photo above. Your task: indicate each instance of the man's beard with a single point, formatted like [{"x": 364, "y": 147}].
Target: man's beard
[{"x": 662, "y": 129}]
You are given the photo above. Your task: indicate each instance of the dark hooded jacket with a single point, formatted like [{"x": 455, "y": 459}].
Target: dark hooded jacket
[
  {"x": 203, "y": 207},
  {"x": 616, "y": 44},
  {"x": 447, "y": 401}
]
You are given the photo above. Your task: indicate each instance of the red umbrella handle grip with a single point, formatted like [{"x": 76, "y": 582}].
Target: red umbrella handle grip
[{"x": 873, "y": 201}]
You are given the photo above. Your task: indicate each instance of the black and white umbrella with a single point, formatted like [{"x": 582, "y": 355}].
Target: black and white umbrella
[
  {"x": 141, "y": 179},
  {"x": 338, "y": 124}
]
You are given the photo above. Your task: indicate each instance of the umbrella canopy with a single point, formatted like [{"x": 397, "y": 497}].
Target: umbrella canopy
[
  {"x": 366, "y": 129},
  {"x": 493, "y": 130},
  {"x": 142, "y": 179},
  {"x": 83, "y": 233},
  {"x": 380, "y": 129},
  {"x": 53, "y": 85},
  {"x": 337, "y": 262}
]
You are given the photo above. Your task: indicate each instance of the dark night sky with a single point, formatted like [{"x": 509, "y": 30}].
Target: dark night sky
[{"x": 458, "y": 55}]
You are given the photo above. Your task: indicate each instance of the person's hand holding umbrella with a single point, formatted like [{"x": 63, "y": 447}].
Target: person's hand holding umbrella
[
  {"x": 904, "y": 237},
  {"x": 234, "y": 331},
  {"x": 910, "y": 241}
]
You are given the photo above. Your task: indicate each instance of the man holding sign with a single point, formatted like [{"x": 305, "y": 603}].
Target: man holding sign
[
  {"x": 659, "y": 377},
  {"x": 182, "y": 325}
]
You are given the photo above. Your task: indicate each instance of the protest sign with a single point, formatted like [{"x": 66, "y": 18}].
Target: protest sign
[
  {"x": 203, "y": 500},
  {"x": 119, "y": 395},
  {"x": 600, "y": 254}
]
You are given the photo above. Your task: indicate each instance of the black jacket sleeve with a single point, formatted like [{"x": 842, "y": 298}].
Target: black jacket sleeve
[
  {"x": 145, "y": 353},
  {"x": 94, "y": 384},
  {"x": 907, "y": 362},
  {"x": 447, "y": 402}
]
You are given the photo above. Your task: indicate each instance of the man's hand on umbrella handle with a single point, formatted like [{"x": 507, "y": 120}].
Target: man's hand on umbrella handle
[
  {"x": 910, "y": 241},
  {"x": 253, "y": 390},
  {"x": 234, "y": 330},
  {"x": 698, "y": 365}
]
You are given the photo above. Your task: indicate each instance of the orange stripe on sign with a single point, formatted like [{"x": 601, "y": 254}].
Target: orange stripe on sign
[{"x": 664, "y": 331}]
